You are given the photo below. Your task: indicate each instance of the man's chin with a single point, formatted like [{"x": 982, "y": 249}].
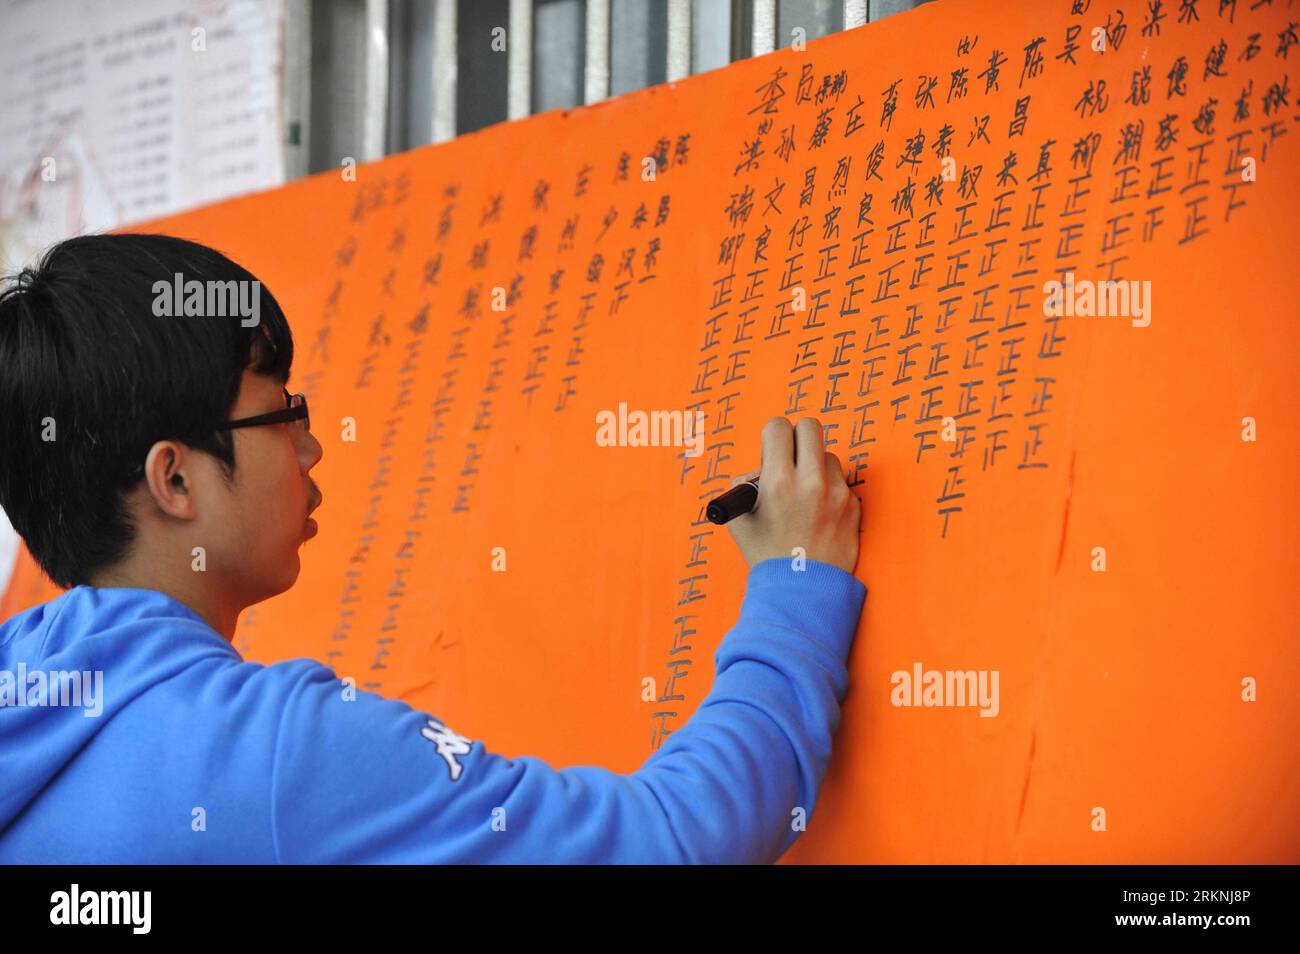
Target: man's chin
[
  {"x": 282, "y": 581},
  {"x": 295, "y": 566}
]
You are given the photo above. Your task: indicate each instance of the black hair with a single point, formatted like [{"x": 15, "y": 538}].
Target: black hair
[{"x": 82, "y": 350}]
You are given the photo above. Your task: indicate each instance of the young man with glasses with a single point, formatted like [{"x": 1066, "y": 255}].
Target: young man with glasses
[{"x": 159, "y": 468}]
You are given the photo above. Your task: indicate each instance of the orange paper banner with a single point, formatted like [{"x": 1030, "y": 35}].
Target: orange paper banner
[{"x": 1079, "y": 491}]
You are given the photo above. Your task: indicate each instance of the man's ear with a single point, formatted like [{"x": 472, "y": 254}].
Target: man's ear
[{"x": 169, "y": 475}]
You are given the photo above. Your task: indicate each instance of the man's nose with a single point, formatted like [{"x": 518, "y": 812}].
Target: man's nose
[{"x": 312, "y": 451}]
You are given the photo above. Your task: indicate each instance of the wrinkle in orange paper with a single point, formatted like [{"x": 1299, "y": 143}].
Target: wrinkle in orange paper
[{"x": 469, "y": 308}]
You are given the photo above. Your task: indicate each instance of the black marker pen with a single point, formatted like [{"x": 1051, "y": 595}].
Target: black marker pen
[{"x": 739, "y": 499}]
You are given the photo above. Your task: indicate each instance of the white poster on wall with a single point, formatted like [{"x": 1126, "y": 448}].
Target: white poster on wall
[{"x": 115, "y": 111}]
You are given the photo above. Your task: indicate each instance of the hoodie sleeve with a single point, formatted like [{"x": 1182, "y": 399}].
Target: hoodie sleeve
[{"x": 373, "y": 780}]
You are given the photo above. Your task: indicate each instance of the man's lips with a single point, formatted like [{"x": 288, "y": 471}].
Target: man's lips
[{"x": 310, "y": 524}]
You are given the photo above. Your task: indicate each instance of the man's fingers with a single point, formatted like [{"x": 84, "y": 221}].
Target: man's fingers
[
  {"x": 834, "y": 470},
  {"x": 778, "y": 449},
  {"x": 808, "y": 445}
]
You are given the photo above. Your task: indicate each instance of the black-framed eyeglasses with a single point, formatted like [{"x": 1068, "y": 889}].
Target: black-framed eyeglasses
[
  {"x": 295, "y": 410},
  {"x": 294, "y": 413}
]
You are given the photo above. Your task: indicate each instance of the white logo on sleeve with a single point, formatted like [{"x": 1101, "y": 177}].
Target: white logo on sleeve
[{"x": 449, "y": 744}]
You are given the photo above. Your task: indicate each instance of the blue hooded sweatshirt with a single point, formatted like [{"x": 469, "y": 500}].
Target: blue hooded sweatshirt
[{"x": 185, "y": 753}]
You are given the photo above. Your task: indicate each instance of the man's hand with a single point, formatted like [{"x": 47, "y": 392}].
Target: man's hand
[{"x": 803, "y": 500}]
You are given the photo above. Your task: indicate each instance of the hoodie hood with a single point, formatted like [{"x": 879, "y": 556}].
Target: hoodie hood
[{"x": 67, "y": 667}]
